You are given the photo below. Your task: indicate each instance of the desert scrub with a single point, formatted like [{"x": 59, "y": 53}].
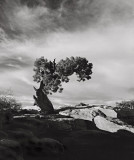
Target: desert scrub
[
  {"x": 10, "y": 149},
  {"x": 21, "y": 136},
  {"x": 125, "y": 105},
  {"x": 15, "y": 125},
  {"x": 33, "y": 124},
  {"x": 3, "y": 135},
  {"x": 8, "y": 104},
  {"x": 30, "y": 120}
]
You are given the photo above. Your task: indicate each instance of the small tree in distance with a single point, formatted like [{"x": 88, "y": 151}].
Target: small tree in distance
[{"x": 50, "y": 75}]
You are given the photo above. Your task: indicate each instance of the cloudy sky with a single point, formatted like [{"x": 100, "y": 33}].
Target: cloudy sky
[{"x": 100, "y": 30}]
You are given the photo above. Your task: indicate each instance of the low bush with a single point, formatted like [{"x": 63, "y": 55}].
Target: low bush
[
  {"x": 7, "y": 154},
  {"x": 3, "y": 135},
  {"x": 8, "y": 105},
  {"x": 17, "y": 125},
  {"x": 11, "y": 148},
  {"x": 51, "y": 146},
  {"x": 125, "y": 105},
  {"x": 30, "y": 111},
  {"x": 30, "y": 120},
  {"x": 21, "y": 135}
]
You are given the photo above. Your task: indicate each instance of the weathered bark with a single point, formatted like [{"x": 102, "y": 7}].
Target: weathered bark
[{"x": 42, "y": 101}]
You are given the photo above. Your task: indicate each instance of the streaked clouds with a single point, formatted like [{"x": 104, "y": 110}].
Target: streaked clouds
[{"x": 100, "y": 30}]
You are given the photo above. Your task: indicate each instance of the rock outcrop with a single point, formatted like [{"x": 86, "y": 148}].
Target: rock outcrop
[
  {"x": 111, "y": 126},
  {"x": 104, "y": 117}
]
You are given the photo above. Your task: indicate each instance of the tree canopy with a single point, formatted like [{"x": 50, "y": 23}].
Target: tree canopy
[{"x": 52, "y": 74}]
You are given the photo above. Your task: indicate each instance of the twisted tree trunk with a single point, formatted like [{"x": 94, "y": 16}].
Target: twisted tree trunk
[{"x": 41, "y": 100}]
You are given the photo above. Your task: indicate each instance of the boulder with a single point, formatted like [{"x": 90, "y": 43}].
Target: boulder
[
  {"x": 111, "y": 126},
  {"x": 109, "y": 112}
]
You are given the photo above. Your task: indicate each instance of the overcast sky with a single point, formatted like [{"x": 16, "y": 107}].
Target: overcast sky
[{"x": 100, "y": 30}]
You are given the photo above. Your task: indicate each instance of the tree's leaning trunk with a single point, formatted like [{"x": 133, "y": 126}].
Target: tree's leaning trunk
[{"x": 41, "y": 100}]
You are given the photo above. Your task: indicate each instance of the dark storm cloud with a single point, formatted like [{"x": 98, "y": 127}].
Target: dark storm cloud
[{"x": 30, "y": 18}]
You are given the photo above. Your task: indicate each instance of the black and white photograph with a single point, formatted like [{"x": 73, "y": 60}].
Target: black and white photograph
[{"x": 66, "y": 79}]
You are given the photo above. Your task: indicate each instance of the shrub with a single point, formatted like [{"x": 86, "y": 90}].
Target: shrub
[
  {"x": 51, "y": 146},
  {"x": 10, "y": 149},
  {"x": 17, "y": 125},
  {"x": 125, "y": 105},
  {"x": 8, "y": 104},
  {"x": 21, "y": 135},
  {"x": 7, "y": 154},
  {"x": 3, "y": 135},
  {"x": 30, "y": 111}
]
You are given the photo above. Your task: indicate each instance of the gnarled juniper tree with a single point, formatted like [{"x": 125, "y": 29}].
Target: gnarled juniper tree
[{"x": 50, "y": 75}]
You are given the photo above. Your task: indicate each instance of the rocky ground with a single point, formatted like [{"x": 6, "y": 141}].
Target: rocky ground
[{"x": 73, "y": 133}]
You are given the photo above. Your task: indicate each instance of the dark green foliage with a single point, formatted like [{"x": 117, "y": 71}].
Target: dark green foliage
[{"x": 53, "y": 74}]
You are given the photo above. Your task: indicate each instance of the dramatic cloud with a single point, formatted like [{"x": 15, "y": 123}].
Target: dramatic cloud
[
  {"x": 100, "y": 30},
  {"x": 24, "y": 19},
  {"x": 14, "y": 62}
]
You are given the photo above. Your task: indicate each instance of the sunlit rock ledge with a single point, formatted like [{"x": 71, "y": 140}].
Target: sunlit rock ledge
[
  {"x": 104, "y": 117},
  {"x": 111, "y": 126},
  {"x": 89, "y": 112}
]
